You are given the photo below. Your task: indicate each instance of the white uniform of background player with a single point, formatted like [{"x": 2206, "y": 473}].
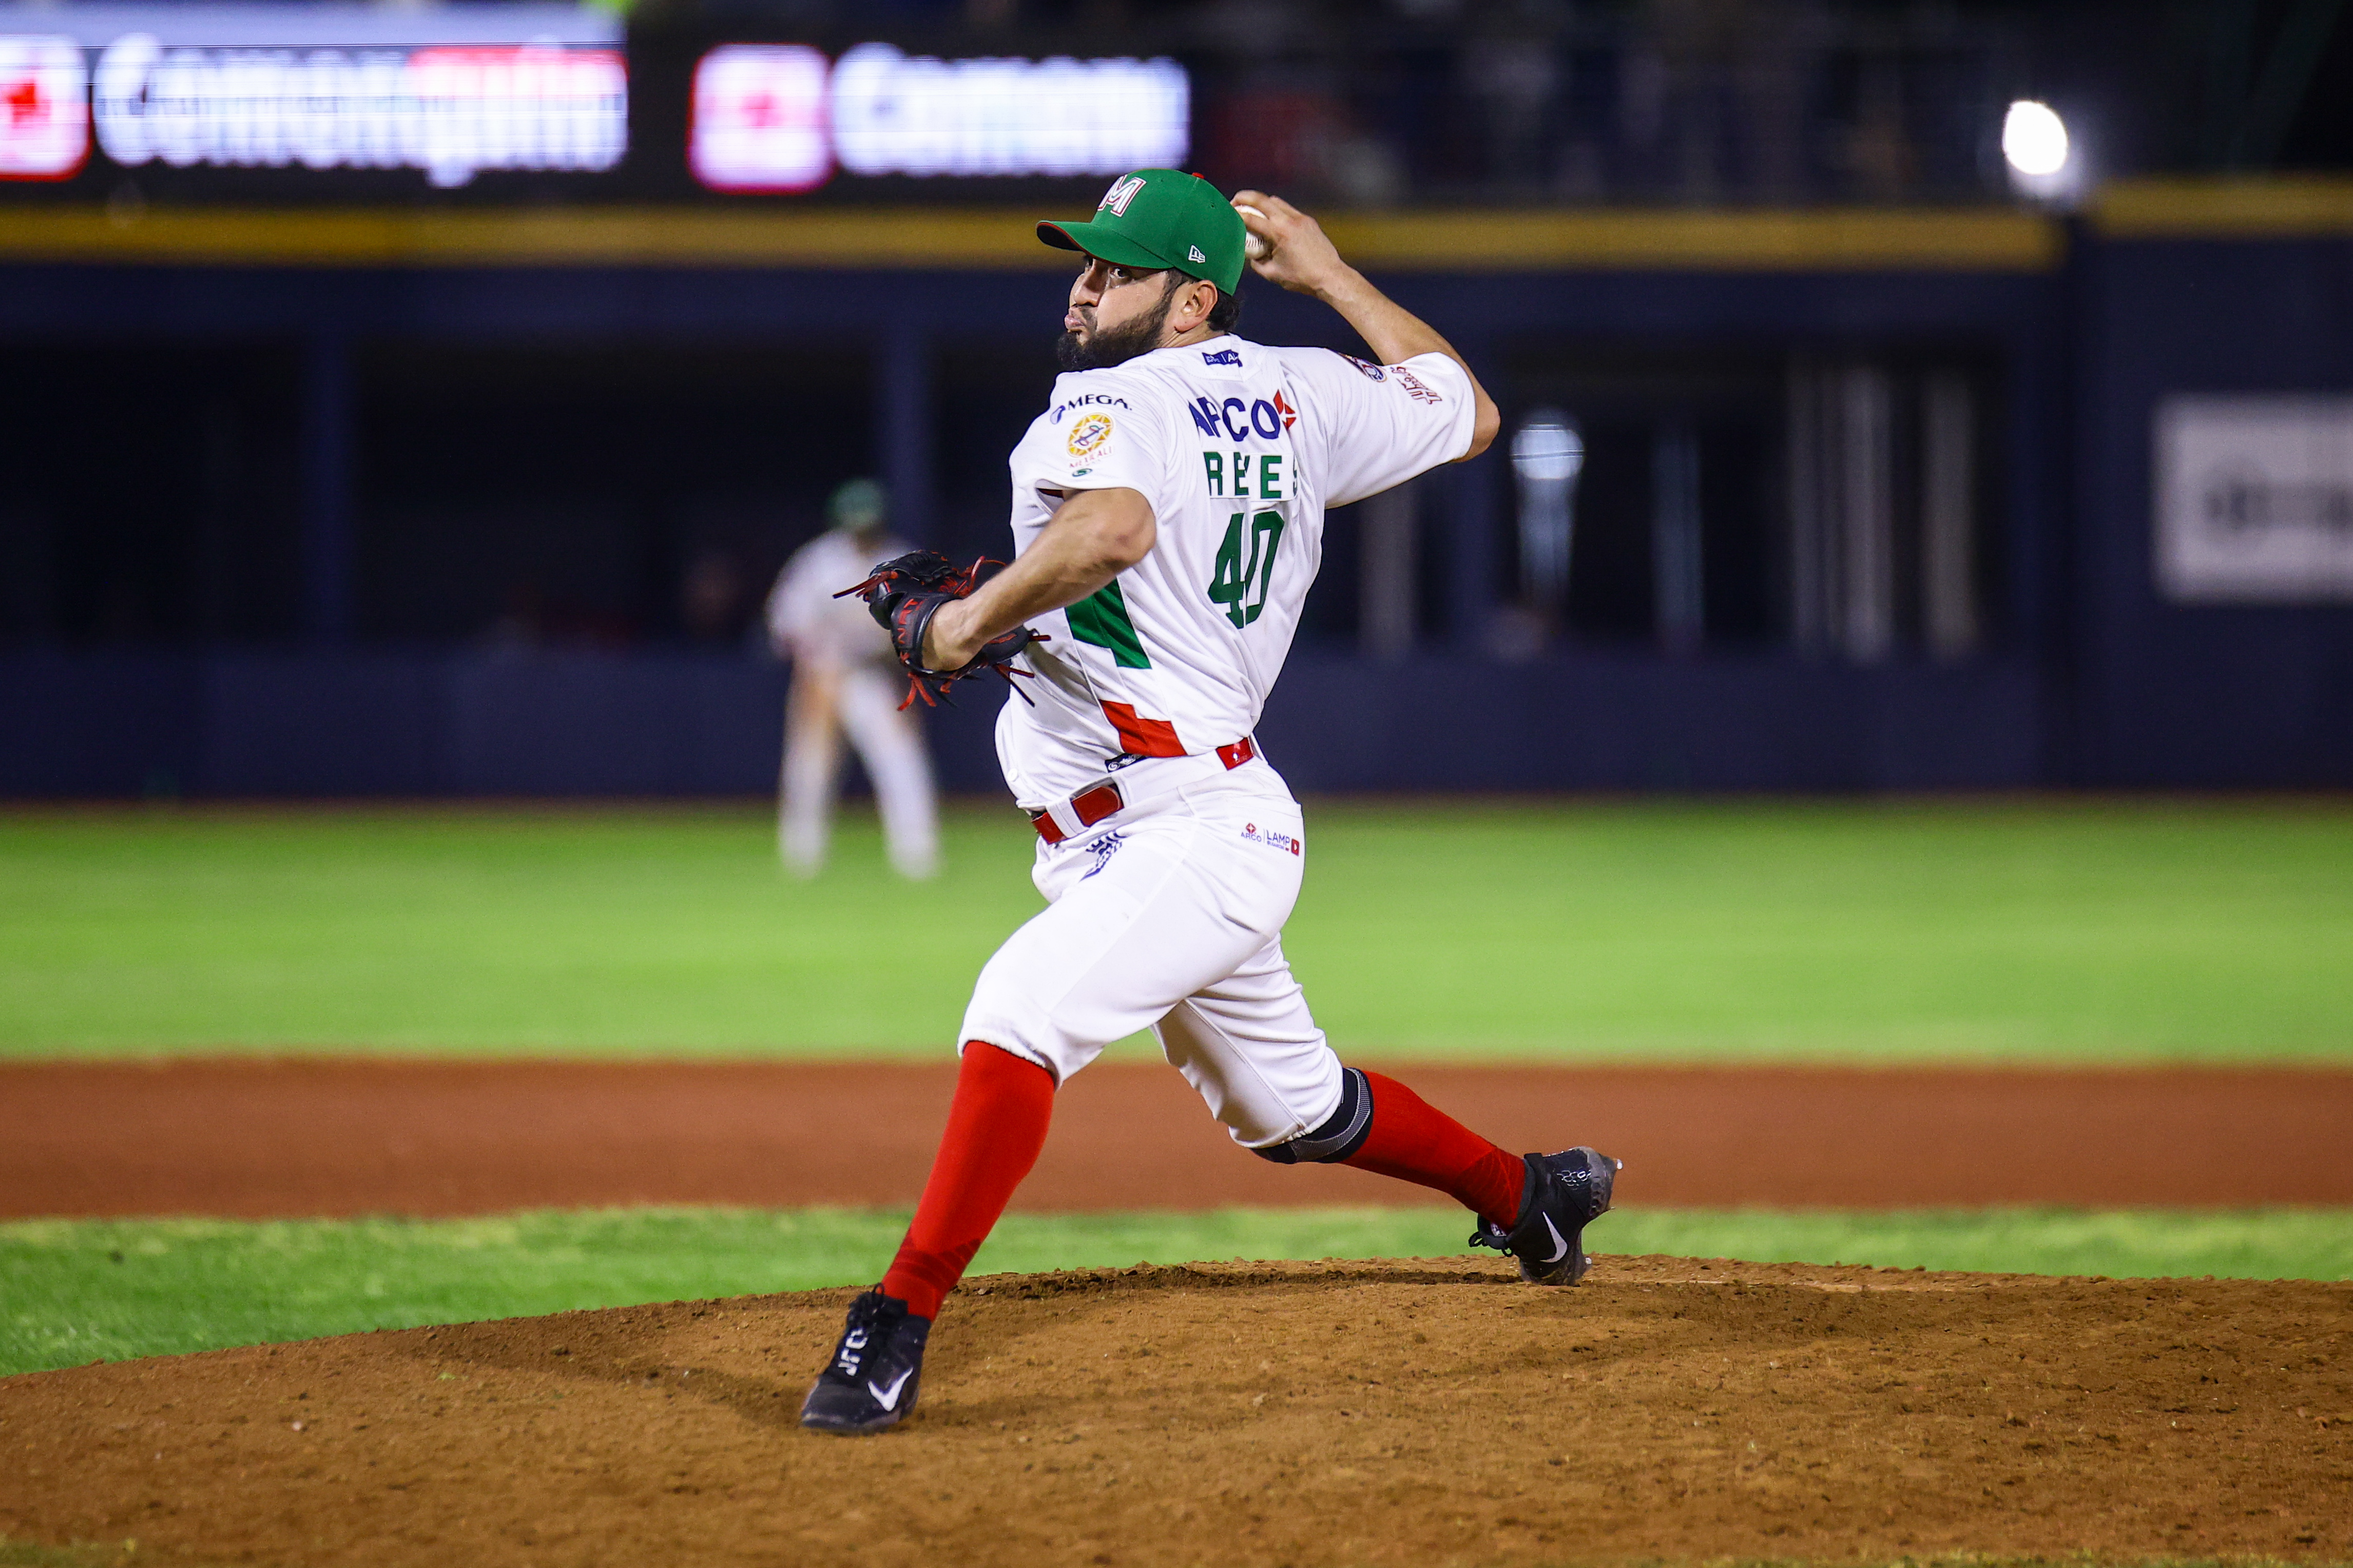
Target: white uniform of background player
[
  {"x": 1168, "y": 915},
  {"x": 846, "y": 682}
]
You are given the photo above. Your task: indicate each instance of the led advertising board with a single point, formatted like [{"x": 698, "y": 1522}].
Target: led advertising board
[
  {"x": 759, "y": 118},
  {"x": 44, "y": 108},
  {"x": 778, "y": 118},
  {"x": 253, "y": 102},
  {"x": 448, "y": 92}
]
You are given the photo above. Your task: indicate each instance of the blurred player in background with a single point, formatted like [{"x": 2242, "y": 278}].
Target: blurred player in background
[{"x": 846, "y": 680}]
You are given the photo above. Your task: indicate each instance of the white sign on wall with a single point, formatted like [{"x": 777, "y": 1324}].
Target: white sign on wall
[
  {"x": 2254, "y": 498},
  {"x": 450, "y": 110},
  {"x": 448, "y": 89},
  {"x": 759, "y": 118},
  {"x": 777, "y": 118},
  {"x": 44, "y": 108}
]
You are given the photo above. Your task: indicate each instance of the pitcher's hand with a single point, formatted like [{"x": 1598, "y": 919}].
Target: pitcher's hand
[{"x": 1300, "y": 258}]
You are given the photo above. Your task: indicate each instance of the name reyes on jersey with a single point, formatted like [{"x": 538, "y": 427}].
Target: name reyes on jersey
[{"x": 1230, "y": 475}]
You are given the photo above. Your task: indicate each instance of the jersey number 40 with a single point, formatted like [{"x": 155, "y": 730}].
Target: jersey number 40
[{"x": 1245, "y": 566}]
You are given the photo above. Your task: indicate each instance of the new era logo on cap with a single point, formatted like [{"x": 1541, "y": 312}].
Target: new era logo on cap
[{"x": 1195, "y": 255}]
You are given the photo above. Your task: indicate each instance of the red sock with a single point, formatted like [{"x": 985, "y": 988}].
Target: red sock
[
  {"x": 1414, "y": 1142},
  {"x": 995, "y": 1127}
]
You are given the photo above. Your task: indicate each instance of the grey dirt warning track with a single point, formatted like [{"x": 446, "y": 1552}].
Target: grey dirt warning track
[{"x": 1409, "y": 1412}]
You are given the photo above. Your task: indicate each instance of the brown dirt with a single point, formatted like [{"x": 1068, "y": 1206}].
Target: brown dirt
[
  {"x": 259, "y": 1138},
  {"x": 1419, "y": 1412}
]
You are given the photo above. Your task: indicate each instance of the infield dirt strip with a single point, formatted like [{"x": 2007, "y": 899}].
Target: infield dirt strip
[
  {"x": 1428, "y": 1412},
  {"x": 261, "y": 1139},
  {"x": 1405, "y": 1413}
]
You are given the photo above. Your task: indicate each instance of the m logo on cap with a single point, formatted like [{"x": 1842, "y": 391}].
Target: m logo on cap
[{"x": 1122, "y": 192}]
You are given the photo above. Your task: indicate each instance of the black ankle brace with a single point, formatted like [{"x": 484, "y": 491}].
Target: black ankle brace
[{"x": 1341, "y": 1134}]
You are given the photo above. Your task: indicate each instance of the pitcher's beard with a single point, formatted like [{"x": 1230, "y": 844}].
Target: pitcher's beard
[{"x": 1114, "y": 345}]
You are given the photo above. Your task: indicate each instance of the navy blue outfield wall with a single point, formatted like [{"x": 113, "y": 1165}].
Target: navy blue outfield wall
[
  {"x": 2202, "y": 695},
  {"x": 2094, "y": 679},
  {"x": 393, "y": 724}
]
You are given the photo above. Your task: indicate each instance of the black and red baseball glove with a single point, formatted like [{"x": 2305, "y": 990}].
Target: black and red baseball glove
[{"x": 906, "y": 592}]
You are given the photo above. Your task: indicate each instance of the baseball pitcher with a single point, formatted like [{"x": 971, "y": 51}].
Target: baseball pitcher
[{"x": 1168, "y": 519}]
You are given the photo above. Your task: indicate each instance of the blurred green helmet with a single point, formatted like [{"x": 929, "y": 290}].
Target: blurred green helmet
[{"x": 857, "y": 506}]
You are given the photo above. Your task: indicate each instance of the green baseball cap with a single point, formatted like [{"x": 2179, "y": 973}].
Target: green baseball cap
[{"x": 1161, "y": 218}]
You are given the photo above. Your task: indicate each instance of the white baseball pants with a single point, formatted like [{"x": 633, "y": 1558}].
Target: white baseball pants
[
  {"x": 861, "y": 702},
  {"x": 1168, "y": 915}
]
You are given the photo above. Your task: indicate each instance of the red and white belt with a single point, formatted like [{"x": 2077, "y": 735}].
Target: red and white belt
[{"x": 1088, "y": 807}]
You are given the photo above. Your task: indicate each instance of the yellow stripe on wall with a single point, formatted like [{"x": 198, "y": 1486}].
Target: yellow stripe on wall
[
  {"x": 2319, "y": 206},
  {"x": 562, "y": 237},
  {"x": 1993, "y": 239},
  {"x": 1834, "y": 240}
]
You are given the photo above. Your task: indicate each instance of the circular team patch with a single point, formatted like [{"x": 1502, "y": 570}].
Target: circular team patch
[{"x": 1088, "y": 435}]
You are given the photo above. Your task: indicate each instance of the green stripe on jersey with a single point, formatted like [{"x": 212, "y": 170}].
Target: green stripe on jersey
[{"x": 1101, "y": 618}]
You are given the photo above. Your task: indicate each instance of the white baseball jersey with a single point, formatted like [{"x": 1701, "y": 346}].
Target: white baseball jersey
[
  {"x": 806, "y": 620},
  {"x": 1239, "y": 447}
]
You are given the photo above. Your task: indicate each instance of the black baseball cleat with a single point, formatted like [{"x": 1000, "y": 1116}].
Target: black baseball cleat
[
  {"x": 1565, "y": 1192},
  {"x": 871, "y": 1382}
]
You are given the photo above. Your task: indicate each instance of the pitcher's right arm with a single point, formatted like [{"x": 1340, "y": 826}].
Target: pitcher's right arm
[{"x": 1305, "y": 261}]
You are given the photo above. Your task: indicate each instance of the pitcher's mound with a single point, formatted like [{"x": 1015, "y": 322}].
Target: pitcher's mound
[{"x": 1417, "y": 1412}]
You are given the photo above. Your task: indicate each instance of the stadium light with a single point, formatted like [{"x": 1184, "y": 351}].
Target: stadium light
[
  {"x": 1549, "y": 447},
  {"x": 1547, "y": 454},
  {"x": 2034, "y": 139}
]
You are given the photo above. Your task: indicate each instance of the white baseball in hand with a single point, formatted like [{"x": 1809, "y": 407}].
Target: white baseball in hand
[{"x": 1254, "y": 248}]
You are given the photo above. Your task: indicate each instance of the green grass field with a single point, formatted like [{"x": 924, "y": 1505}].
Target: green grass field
[
  {"x": 2029, "y": 931},
  {"x": 80, "y": 1290}
]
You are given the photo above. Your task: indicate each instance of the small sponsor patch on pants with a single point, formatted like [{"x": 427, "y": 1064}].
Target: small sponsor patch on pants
[{"x": 1274, "y": 838}]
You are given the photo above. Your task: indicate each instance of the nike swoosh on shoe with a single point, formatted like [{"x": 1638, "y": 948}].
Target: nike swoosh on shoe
[
  {"x": 1559, "y": 1246},
  {"x": 889, "y": 1399}
]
